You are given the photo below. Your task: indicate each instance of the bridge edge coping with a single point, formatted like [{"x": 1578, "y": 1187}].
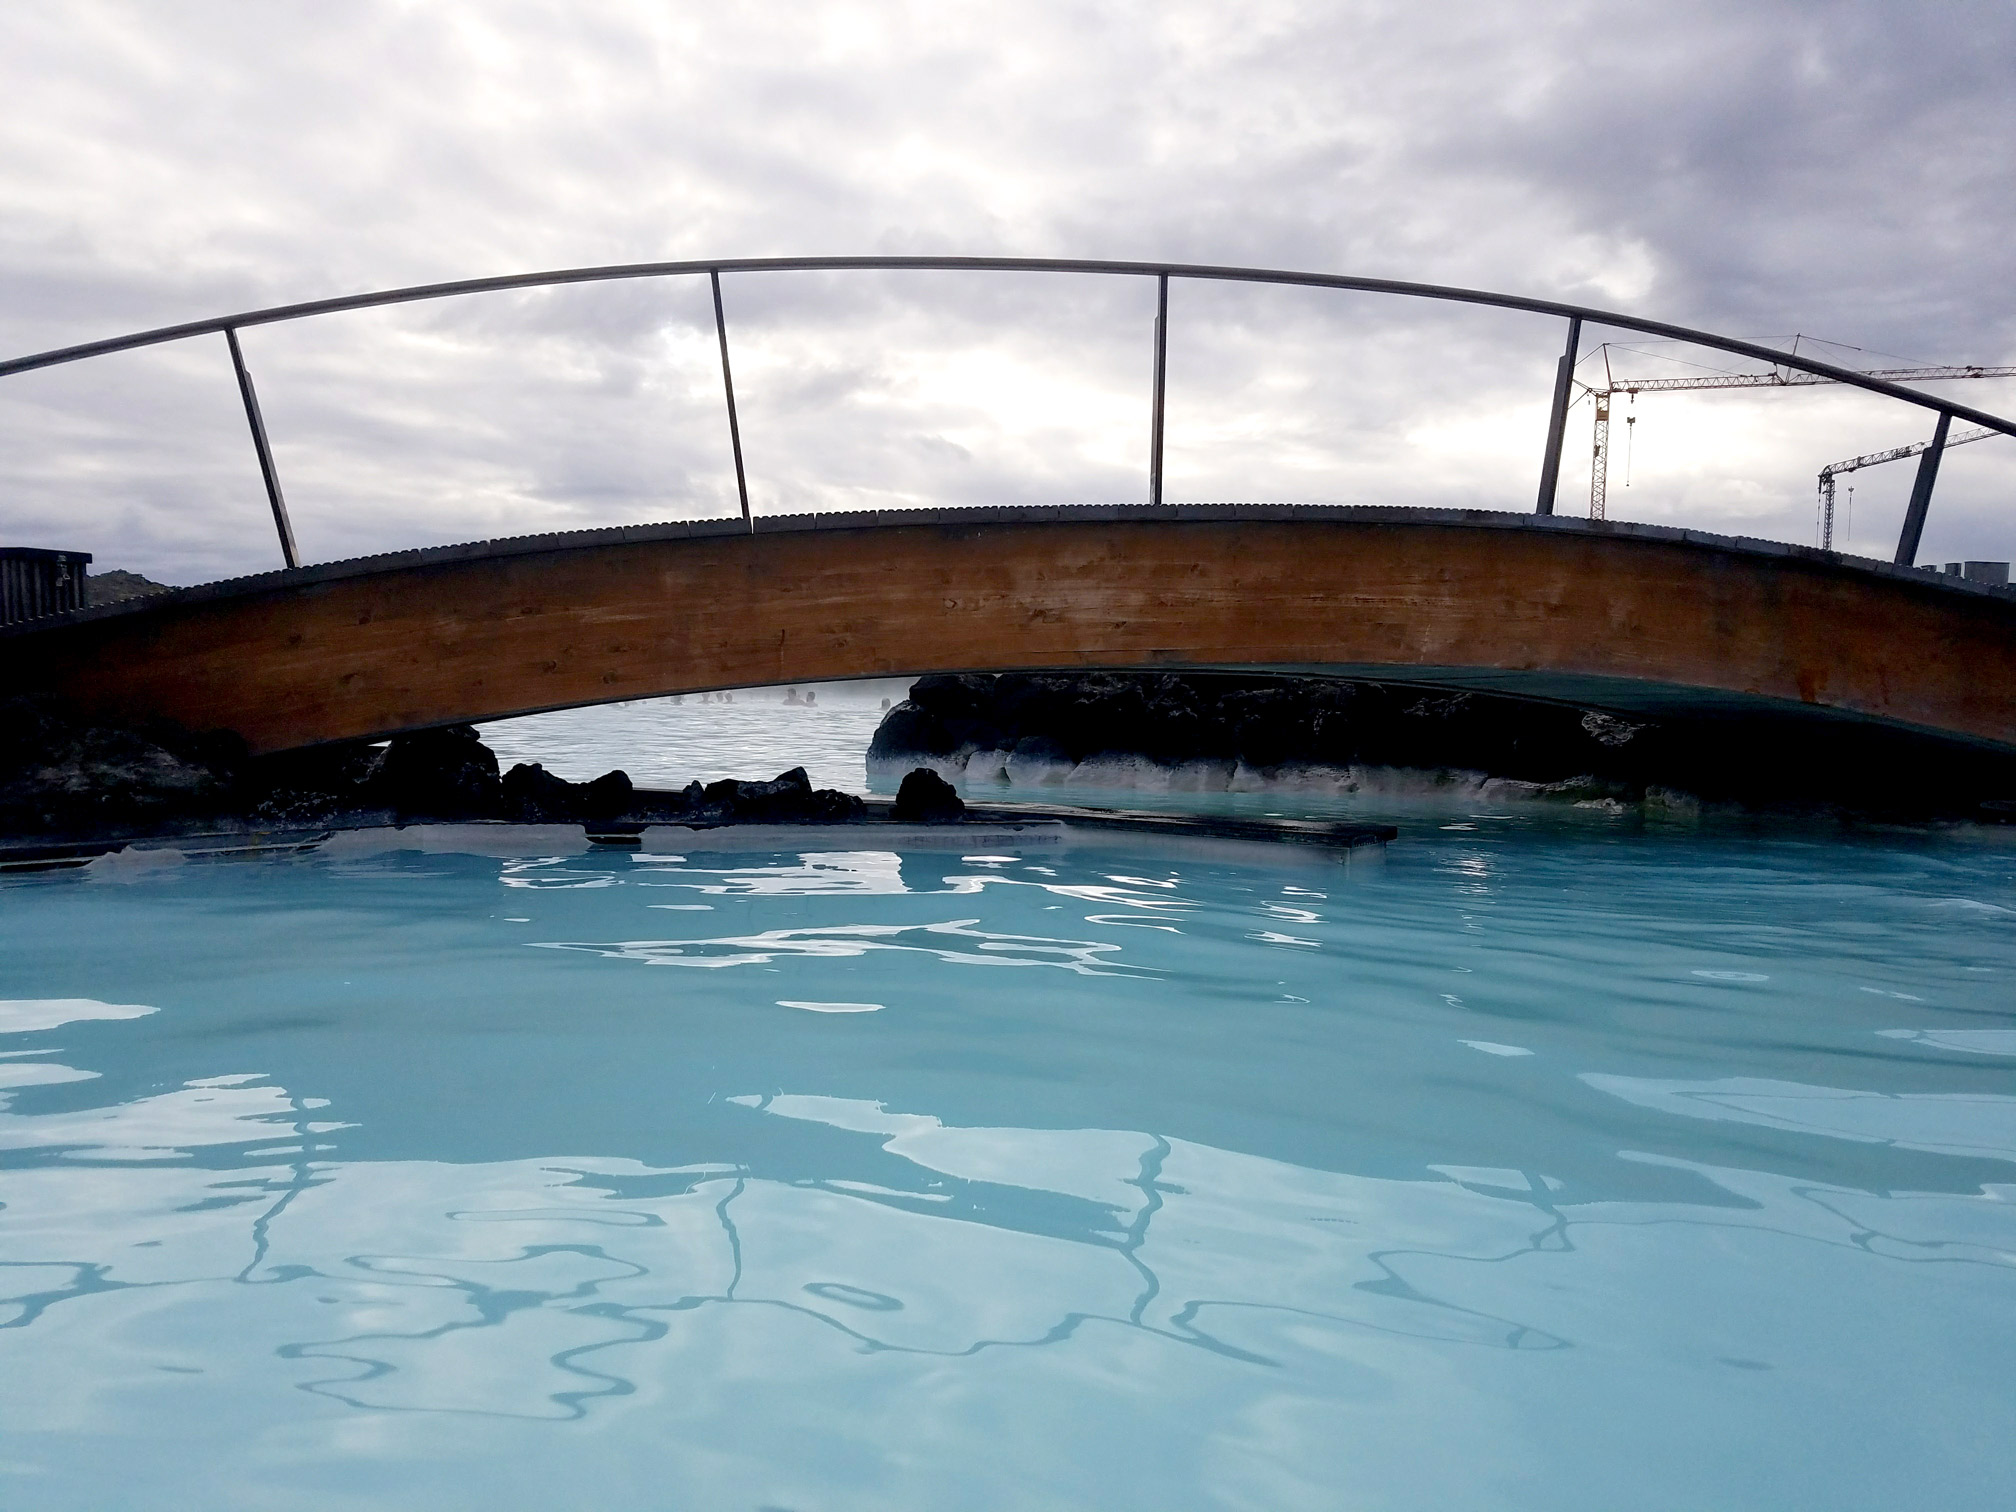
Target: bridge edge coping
[{"x": 724, "y": 527}]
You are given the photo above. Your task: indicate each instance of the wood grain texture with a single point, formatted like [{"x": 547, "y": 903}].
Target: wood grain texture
[{"x": 427, "y": 643}]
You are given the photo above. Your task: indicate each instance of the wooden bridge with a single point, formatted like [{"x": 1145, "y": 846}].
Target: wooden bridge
[
  {"x": 1632, "y": 618},
  {"x": 1637, "y": 619}
]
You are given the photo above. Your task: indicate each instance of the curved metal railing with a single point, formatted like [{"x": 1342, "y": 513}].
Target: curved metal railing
[{"x": 1576, "y": 315}]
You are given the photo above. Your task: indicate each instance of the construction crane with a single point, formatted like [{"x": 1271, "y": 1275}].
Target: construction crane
[
  {"x": 1599, "y": 464},
  {"x": 1895, "y": 454}
]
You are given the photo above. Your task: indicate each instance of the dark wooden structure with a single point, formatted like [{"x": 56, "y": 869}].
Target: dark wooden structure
[
  {"x": 34, "y": 582},
  {"x": 1632, "y": 618}
]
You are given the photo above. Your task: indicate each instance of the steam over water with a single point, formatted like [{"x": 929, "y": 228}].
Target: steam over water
[{"x": 662, "y": 743}]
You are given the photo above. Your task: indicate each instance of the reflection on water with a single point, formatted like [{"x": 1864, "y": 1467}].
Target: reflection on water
[
  {"x": 403, "y": 1184},
  {"x": 838, "y": 941},
  {"x": 1946, "y": 1123}
]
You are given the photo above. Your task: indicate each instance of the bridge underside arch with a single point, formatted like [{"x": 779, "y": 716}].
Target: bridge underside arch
[{"x": 1635, "y": 619}]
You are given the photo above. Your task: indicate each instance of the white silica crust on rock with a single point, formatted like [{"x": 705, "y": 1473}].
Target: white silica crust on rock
[
  {"x": 1281, "y": 736},
  {"x": 975, "y": 772}
]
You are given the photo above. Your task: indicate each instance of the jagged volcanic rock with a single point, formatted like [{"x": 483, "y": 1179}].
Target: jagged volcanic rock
[
  {"x": 1028, "y": 720},
  {"x": 313, "y": 786},
  {"x": 788, "y": 798},
  {"x": 532, "y": 795},
  {"x": 442, "y": 773},
  {"x": 64, "y": 773},
  {"x": 1212, "y": 731},
  {"x": 927, "y": 798},
  {"x": 60, "y": 771}
]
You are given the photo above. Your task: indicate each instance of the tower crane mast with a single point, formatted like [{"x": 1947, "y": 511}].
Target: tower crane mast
[
  {"x": 1894, "y": 454},
  {"x": 1602, "y": 393}
]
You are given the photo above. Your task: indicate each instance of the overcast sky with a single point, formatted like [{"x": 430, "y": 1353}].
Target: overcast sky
[{"x": 1838, "y": 170}]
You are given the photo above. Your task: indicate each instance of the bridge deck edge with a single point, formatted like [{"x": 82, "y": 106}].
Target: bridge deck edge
[{"x": 505, "y": 547}]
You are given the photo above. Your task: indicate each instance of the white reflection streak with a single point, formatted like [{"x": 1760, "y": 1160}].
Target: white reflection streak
[
  {"x": 32, "y": 1015},
  {"x": 1981, "y": 1124},
  {"x": 880, "y": 873},
  {"x": 166, "y": 1126},
  {"x": 1966, "y": 1041},
  {"x": 871, "y": 873},
  {"x": 1292, "y": 915},
  {"x": 1473, "y": 869},
  {"x": 842, "y": 941},
  {"x": 551, "y": 872}
]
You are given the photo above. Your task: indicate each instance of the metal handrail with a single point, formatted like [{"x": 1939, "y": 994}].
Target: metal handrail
[{"x": 1576, "y": 315}]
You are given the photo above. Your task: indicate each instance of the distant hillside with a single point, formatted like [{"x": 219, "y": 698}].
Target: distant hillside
[{"x": 116, "y": 587}]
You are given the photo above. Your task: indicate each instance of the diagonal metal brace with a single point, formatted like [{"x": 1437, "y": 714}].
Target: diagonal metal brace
[
  {"x": 1921, "y": 494},
  {"x": 1557, "y": 418},
  {"x": 260, "y": 445}
]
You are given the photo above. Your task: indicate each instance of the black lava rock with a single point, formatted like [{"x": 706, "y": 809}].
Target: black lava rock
[
  {"x": 927, "y": 798},
  {"x": 788, "y": 798},
  {"x": 607, "y": 796},
  {"x": 64, "y": 771},
  {"x": 313, "y": 786},
  {"x": 530, "y": 794},
  {"x": 1765, "y": 758},
  {"x": 447, "y": 773},
  {"x": 831, "y": 806},
  {"x": 1263, "y": 722}
]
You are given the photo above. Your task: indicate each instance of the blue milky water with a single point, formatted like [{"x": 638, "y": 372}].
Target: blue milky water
[{"x": 1550, "y": 1165}]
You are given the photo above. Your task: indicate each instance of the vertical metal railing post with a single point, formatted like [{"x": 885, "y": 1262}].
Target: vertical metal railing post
[
  {"x": 1557, "y": 418},
  {"x": 728, "y": 387},
  {"x": 1161, "y": 384},
  {"x": 267, "y": 471},
  {"x": 1921, "y": 494}
]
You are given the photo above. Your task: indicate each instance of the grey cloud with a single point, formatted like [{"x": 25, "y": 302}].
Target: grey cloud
[{"x": 1838, "y": 170}]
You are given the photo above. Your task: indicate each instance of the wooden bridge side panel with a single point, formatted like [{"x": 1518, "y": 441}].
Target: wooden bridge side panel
[{"x": 490, "y": 637}]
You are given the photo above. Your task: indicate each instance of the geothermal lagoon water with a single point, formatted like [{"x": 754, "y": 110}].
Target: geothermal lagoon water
[{"x": 1552, "y": 1163}]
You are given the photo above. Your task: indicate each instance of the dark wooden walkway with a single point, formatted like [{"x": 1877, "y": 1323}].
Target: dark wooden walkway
[{"x": 1633, "y": 618}]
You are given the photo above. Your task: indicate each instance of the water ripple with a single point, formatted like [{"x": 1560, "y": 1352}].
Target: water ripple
[
  {"x": 1696, "y": 1180},
  {"x": 841, "y": 941}
]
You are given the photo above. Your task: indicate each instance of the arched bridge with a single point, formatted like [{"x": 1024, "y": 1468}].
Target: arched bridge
[{"x": 1637, "y": 619}]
